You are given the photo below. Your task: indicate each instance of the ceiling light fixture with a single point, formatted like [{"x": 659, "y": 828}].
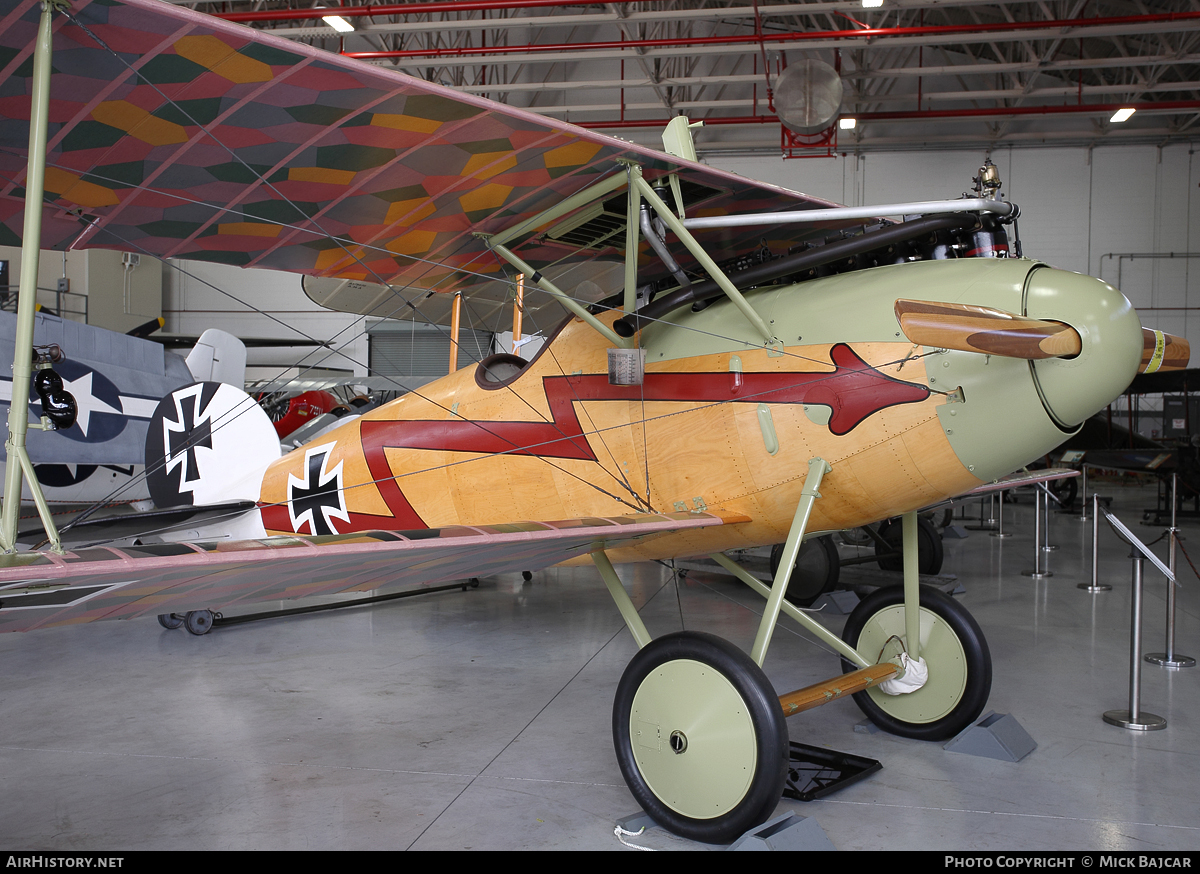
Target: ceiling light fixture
[
  {"x": 847, "y": 123},
  {"x": 338, "y": 23},
  {"x": 1122, "y": 114},
  {"x": 872, "y": 4}
]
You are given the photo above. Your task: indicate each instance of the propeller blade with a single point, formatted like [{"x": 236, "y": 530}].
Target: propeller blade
[
  {"x": 985, "y": 330},
  {"x": 1163, "y": 351}
]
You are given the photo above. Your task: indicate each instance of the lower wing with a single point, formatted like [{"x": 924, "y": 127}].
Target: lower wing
[{"x": 41, "y": 589}]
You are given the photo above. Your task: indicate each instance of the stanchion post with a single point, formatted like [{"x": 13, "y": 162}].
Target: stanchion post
[
  {"x": 1083, "y": 512},
  {"x": 1134, "y": 718},
  {"x": 1038, "y": 571},
  {"x": 1048, "y": 496},
  {"x": 1170, "y": 658},
  {"x": 1000, "y": 518},
  {"x": 1095, "y": 584}
]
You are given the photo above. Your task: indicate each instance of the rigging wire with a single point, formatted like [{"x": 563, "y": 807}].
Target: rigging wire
[{"x": 404, "y": 302}]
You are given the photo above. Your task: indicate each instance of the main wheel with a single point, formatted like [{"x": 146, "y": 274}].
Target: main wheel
[
  {"x": 169, "y": 620},
  {"x": 198, "y": 621},
  {"x": 815, "y": 572},
  {"x": 954, "y": 649},
  {"x": 700, "y": 737},
  {"x": 929, "y": 546}
]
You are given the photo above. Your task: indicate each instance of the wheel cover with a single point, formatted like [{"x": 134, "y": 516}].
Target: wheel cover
[
  {"x": 713, "y": 773},
  {"x": 943, "y": 653}
]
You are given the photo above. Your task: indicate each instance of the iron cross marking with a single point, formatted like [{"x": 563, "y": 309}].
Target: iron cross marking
[
  {"x": 193, "y": 429},
  {"x": 317, "y": 499}
]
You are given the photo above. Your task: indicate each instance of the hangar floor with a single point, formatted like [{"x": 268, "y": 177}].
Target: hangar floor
[{"x": 480, "y": 720}]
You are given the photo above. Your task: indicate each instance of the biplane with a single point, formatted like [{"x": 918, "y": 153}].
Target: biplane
[{"x": 735, "y": 365}]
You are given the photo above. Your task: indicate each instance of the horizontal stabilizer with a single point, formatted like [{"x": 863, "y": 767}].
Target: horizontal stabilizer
[{"x": 150, "y": 524}]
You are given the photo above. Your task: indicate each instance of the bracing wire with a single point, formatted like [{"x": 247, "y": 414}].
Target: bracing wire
[{"x": 404, "y": 303}]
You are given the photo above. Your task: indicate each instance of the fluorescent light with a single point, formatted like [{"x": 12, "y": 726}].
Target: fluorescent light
[
  {"x": 871, "y": 4},
  {"x": 1123, "y": 114},
  {"x": 338, "y": 23},
  {"x": 847, "y": 123}
]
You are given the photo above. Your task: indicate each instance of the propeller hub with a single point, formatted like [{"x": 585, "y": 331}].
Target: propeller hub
[{"x": 1072, "y": 389}]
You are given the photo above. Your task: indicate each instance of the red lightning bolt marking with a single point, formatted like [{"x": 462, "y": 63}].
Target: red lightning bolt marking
[{"x": 854, "y": 391}]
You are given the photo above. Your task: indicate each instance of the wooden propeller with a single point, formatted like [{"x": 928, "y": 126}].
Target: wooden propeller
[
  {"x": 985, "y": 330},
  {"x": 1163, "y": 351}
]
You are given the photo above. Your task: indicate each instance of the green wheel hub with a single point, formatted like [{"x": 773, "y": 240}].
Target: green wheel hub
[
  {"x": 693, "y": 739},
  {"x": 943, "y": 653}
]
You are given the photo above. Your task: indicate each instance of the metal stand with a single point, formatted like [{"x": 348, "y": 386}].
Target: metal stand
[
  {"x": 988, "y": 524},
  {"x": 1000, "y": 518},
  {"x": 1095, "y": 584},
  {"x": 1083, "y": 514},
  {"x": 1047, "y": 496},
  {"x": 1038, "y": 572},
  {"x": 1134, "y": 718},
  {"x": 1170, "y": 658}
]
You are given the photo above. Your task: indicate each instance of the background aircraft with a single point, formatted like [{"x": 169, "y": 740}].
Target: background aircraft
[
  {"x": 117, "y": 381},
  {"x": 714, "y": 394}
]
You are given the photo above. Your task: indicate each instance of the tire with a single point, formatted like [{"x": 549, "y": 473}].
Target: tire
[
  {"x": 960, "y": 665},
  {"x": 929, "y": 546},
  {"x": 1065, "y": 490},
  {"x": 700, "y": 737},
  {"x": 198, "y": 621},
  {"x": 815, "y": 572},
  {"x": 169, "y": 620}
]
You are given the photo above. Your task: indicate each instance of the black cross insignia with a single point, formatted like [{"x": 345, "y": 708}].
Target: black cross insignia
[
  {"x": 319, "y": 496},
  {"x": 193, "y": 429}
]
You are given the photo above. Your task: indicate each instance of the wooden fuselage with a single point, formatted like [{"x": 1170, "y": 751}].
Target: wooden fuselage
[{"x": 720, "y": 425}]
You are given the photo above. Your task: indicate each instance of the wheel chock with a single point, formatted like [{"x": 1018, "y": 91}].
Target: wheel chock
[
  {"x": 840, "y": 602},
  {"x": 787, "y": 832},
  {"x": 996, "y": 736}
]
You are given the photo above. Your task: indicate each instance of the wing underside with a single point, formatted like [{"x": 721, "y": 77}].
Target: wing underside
[
  {"x": 179, "y": 135},
  {"x": 39, "y": 590}
]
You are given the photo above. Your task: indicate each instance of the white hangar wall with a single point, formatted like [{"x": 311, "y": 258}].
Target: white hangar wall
[
  {"x": 1081, "y": 209},
  {"x": 199, "y": 295}
]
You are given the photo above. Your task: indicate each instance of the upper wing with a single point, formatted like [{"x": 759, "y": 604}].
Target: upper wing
[
  {"x": 39, "y": 590},
  {"x": 180, "y": 135}
]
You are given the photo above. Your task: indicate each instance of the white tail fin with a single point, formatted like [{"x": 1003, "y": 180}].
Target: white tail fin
[
  {"x": 208, "y": 443},
  {"x": 218, "y": 357}
]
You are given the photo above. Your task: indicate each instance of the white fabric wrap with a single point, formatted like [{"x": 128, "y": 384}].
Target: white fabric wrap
[{"x": 915, "y": 675}]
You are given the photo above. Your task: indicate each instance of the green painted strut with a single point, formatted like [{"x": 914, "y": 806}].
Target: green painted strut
[
  {"x": 710, "y": 266},
  {"x": 18, "y": 411},
  {"x": 628, "y": 612},
  {"x": 817, "y": 468},
  {"x": 565, "y": 299},
  {"x": 809, "y": 624}
]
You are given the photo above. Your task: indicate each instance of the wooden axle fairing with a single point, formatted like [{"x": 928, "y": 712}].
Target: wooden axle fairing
[{"x": 817, "y": 694}]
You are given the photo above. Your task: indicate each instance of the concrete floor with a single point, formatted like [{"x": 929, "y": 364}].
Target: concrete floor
[{"x": 481, "y": 720}]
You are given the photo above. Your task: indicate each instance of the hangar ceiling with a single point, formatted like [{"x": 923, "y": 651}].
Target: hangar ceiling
[{"x": 915, "y": 73}]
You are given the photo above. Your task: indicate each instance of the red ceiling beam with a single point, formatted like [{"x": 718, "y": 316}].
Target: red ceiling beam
[
  {"x": 397, "y": 9},
  {"x": 911, "y": 115},
  {"x": 755, "y": 39}
]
